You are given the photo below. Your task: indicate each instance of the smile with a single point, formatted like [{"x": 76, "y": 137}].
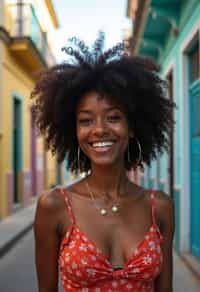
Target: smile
[{"x": 102, "y": 146}]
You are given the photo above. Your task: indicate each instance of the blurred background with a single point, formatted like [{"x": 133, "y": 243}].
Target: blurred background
[{"x": 32, "y": 33}]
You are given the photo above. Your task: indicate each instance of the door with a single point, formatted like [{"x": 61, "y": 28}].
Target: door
[
  {"x": 33, "y": 151},
  {"x": 195, "y": 172},
  {"x": 17, "y": 151},
  {"x": 194, "y": 94}
]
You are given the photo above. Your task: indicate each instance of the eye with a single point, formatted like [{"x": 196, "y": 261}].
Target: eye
[
  {"x": 85, "y": 121},
  {"x": 114, "y": 118}
]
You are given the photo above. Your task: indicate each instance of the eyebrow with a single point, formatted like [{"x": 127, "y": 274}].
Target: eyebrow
[{"x": 86, "y": 111}]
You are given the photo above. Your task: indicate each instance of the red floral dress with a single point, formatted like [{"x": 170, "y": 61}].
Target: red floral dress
[{"x": 85, "y": 268}]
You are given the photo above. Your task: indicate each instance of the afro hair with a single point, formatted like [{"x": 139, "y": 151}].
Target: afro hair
[{"x": 132, "y": 81}]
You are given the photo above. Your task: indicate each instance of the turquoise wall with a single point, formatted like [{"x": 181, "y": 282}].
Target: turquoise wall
[
  {"x": 161, "y": 186},
  {"x": 163, "y": 167},
  {"x": 190, "y": 16},
  {"x": 177, "y": 219},
  {"x": 66, "y": 172},
  {"x": 172, "y": 55},
  {"x": 171, "y": 58},
  {"x": 142, "y": 181}
]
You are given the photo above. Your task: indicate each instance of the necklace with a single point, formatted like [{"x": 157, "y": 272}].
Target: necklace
[{"x": 103, "y": 211}]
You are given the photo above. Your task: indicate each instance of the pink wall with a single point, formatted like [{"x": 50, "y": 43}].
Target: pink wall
[
  {"x": 40, "y": 182},
  {"x": 26, "y": 188},
  {"x": 9, "y": 188}
]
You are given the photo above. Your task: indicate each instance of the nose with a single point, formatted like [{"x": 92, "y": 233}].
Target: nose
[{"x": 100, "y": 127}]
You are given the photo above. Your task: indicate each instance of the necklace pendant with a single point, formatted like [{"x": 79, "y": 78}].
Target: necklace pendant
[
  {"x": 103, "y": 212},
  {"x": 115, "y": 209}
]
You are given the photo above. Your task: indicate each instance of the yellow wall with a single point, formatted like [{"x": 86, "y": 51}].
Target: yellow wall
[
  {"x": 15, "y": 80},
  {"x": 2, "y": 198}
]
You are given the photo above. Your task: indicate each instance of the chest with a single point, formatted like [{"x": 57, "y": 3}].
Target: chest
[
  {"x": 80, "y": 257},
  {"x": 116, "y": 236}
]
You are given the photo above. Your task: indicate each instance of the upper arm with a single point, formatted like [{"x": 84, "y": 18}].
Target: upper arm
[
  {"x": 165, "y": 212},
  {"x": 46, "y": 244}
]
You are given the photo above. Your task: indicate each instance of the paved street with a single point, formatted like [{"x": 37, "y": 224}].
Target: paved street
[
  {"x": 17, "y": 267},
  {"x": 184, "y": 279},
  {"x": 17, "y": 270}
]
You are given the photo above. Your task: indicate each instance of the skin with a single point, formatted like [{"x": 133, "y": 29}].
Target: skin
[{"x": 117, "y": 236}]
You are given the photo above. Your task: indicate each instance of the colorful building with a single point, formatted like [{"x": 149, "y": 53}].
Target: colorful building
[
  {"x": 26, "y": 168},
  {"x": 169, "y": 32}
]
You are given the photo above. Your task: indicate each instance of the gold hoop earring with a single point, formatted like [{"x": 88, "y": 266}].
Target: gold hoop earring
[
  {"x": 140, "y": 152},
  {"x": 78, "y": 159},
  {"x": 128, "y": 154}
]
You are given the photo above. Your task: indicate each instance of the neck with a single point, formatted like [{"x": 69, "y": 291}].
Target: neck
[{"x": 110, "y": 181}]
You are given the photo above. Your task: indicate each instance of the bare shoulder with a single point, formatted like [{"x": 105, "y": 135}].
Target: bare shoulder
[
  {"x": 50, "y": 200},
  {"x": 50, "y": 209},
  {"x": 164, "y": 208},
  {"x": 164, "y": 203},
  {"x": 163, "y": 200}
]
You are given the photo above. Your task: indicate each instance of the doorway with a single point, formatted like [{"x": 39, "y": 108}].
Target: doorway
[
  {"x": 17, "y": 148},
  {"x": 194, "y": 97},
  {"x": 33, "y": 151}
]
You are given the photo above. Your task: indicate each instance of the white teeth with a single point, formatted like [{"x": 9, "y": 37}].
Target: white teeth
[{"x": 102, "y": 144}]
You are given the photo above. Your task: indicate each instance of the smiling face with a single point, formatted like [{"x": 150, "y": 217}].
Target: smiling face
[{"x": 102, "y": 129}]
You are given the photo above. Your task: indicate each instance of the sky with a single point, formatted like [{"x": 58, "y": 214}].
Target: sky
[{"x": 84, "y": 18}]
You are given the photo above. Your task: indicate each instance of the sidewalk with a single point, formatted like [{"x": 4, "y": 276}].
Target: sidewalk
[
  {"x": 15, "y": 226},
  {"x": 184, "y": 279}
]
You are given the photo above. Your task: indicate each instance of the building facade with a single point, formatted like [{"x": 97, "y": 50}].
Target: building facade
[
  {"x": 169, "y": 32},
  {"x": 26, "y": 168}
]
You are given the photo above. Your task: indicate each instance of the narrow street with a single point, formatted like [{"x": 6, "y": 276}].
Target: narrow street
[
  {"x": 184, "y": 279},
  {"x": 17, "y": 267},
  {"x": 17, "y": 270}
]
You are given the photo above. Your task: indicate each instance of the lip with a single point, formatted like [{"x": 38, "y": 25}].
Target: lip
[{"x": 101, "y": 149}]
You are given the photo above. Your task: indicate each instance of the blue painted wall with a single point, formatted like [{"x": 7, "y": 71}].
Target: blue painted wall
[
  {"x": 190, "y": 15},
  {"x": 172, "y": 55}
]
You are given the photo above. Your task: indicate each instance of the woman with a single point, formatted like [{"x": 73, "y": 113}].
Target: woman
[{"x": 107, "y": 112}]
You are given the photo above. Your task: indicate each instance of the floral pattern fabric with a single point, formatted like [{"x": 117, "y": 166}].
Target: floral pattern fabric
[{"x": 85, "y": 268}]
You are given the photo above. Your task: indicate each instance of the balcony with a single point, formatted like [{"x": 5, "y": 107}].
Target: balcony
[{"x": 28, "y": 41}]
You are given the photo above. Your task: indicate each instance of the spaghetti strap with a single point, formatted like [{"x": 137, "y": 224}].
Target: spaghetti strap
[
  {"x": 152, "y": 203},
  {"x": 68, "y": 205}
]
